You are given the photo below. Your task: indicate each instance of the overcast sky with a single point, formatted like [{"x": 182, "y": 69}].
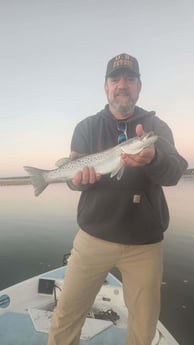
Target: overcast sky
[{"x": 52, "y": 65}]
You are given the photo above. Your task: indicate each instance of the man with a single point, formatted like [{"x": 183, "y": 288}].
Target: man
[{"x": 121, "y": 222}]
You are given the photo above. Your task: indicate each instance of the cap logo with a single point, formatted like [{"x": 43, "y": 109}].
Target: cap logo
[{"x": 123, "y": 60}]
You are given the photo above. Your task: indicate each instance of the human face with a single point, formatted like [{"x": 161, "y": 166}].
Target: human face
[{"x": 122, "y": 91}]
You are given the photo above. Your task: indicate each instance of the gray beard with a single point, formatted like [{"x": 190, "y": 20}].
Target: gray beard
[{"x": 123, "y": 109}]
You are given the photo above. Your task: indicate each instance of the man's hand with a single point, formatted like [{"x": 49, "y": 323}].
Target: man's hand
[
  {"x": 142, "y": 158},
  {"x": 85, "y": 176}
]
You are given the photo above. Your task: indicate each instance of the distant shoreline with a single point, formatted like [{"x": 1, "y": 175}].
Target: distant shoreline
[
  {"x": 25, "y": 180},
  {"x": 14, "y": 181}
]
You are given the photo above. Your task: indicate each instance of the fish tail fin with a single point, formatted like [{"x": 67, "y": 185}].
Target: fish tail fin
[{"x": 38, "y": 179}]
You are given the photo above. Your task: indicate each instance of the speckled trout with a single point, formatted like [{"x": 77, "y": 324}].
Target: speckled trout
[{"x": 105, "y": 162}]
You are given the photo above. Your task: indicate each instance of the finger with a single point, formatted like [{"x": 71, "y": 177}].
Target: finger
[
  {"x": 148, "y": 153},
  {"x": 77, "y": 179},
  {"x": 85, "y": 175},
  {"x": 73, "y": 155},
  {"x": 140, "y": 159},
  {"x": 127, "y": 160},
  {"x": 92, "y": 175},
  {"x": 89, "y": 175},
  {"x": 139, "y": 130}
]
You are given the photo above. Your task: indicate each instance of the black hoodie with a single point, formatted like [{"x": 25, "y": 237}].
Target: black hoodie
[{"x": 132, "y": 210}]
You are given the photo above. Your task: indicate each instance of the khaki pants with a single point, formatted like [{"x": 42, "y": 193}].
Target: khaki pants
[{"x": 91, "y": 259}]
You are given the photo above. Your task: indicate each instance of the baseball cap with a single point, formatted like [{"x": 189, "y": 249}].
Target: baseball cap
[{"x": 123, "y": 61}]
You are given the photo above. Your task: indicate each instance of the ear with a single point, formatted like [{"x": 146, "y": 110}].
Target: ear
[
  {"x": 105, "y": 86},
  {"x": 139, "y": 85}
]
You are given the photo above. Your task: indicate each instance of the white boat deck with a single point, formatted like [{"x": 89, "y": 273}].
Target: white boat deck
[
  {"x": 17, "y": 328},
  {"x": 21, "y": 324}
]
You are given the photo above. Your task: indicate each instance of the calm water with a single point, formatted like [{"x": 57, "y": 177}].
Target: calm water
[{"x": 36, "y": 232}]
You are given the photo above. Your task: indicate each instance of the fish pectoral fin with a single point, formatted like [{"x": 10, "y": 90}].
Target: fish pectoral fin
[
  {"x": 62, "y": 161},
  {"x": 123, "y": 150},
  {"x": 120, "y": 173},
  {"x": 119, "y": 170}
]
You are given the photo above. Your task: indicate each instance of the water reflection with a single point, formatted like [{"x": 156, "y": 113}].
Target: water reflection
[
  {"x": 181, "y": 200},
  {"x": 36, "y": 232}
]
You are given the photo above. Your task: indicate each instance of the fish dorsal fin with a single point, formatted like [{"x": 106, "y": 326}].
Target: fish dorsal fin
[
  {"x": 118, "y": 171},
  {"x": 65, "y": 160},
  {"x": 62, "y": 161}
]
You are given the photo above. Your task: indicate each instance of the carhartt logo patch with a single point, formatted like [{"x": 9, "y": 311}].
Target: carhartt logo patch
[{"x": 136, "y": 198}]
